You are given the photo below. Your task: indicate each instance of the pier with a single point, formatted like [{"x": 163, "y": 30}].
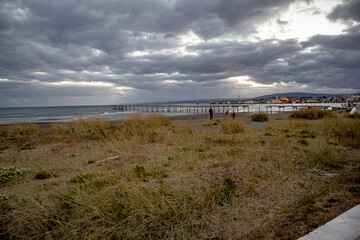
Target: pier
[
  {"x": 181, "y": 108},
  {"x": 238, "y": 108}
]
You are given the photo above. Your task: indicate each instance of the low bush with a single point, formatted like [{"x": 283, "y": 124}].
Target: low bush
[
  {"x": 43, "y": 175},
  {"x": 259, "y": 117},
  {"x": 9, "y": 173},
  {"x": 311, "y": 114}
]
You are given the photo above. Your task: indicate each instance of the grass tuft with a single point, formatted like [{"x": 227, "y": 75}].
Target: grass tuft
[
  {"x": 43, "y": 175},
  {"x": 345, "y": 131},
  {"x": 303, "y": 142},
  {"x": 259, "y": 117},
  {"x": 83, "y": 177},
  {"x": 232, "y": 127}
]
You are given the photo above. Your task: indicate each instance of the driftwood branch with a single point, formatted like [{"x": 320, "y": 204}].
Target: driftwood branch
[{"x": 109, "y": 158}]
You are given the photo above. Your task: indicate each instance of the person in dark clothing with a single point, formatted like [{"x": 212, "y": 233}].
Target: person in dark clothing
[
  {"x": 211, "y": 113},
  {"x": 233, "y": 115}
]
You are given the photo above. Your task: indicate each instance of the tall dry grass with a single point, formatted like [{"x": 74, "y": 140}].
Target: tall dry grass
[
  {"x": 311, "y": 114},
  {"x": 343, "y": 131},
  {"x": 83, "y": 128},
  {"x": 20, "y": 131},
  {"x": 147, "y": 128},
  {"x": 167, "y": 182},
  {"x": 229, "y": 126}
]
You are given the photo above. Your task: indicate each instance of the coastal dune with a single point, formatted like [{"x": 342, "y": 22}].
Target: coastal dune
[{"x": 159, "y": 177}]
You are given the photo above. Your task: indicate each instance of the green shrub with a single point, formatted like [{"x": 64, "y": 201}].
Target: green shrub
[
  {"x": 9, "y": 173},
  {"x": 311, "y": 114},
  {"x": 259, "y": 117},
  {"x": 43, "y": 175}
]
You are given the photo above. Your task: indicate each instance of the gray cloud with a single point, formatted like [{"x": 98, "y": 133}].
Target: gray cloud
[{"x": 349, "y": 10}]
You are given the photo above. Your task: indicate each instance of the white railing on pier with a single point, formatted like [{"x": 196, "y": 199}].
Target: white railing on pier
[{"x": 217, "y": 108}]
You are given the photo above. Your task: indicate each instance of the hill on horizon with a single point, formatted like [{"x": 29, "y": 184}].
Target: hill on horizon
[
  {"x": 274, "y": 95},
  {"x": 300, "y": 94}
]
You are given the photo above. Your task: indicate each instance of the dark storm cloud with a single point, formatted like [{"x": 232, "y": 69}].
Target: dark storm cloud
[
  {"x": 140, "y": 44},
  {"x": 332, "y": 61},
  {"x": 228, "y": 15},
  {"x": 349, "y": 10},
  {"x": 336, "y": 59},
  {"x": 349, "y": 41},
  {"x": 221, "y": 57}
]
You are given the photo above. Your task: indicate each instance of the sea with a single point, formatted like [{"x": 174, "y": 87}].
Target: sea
[{"x": 73, "y": 113}]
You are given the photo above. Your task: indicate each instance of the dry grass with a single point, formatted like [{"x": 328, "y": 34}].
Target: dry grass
[
  {"x": 232, "y": 127},
  {"x": 344, "y": 131},
  {"x": 259, "y": 117},
  {"x": 311, "y": 114},
  {"x": 168, "y": 182}
]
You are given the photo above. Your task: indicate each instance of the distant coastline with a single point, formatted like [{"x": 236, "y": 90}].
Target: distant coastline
[{"x": 73, "y": 113}]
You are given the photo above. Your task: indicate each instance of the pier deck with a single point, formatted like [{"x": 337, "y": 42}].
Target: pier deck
[
  {"x": 180, "y": 108},
  {"x": 238, "y": 108}
]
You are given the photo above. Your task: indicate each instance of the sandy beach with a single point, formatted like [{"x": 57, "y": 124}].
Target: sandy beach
[{"x": 195, "y": 122}]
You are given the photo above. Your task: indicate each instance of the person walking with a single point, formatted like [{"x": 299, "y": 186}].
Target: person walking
[
  {"x": 211, "y": 113},
  {"x": 233, "y": 115}
]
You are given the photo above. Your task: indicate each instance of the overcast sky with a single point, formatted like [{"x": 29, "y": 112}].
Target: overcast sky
[{"x": 84, "y": 52}]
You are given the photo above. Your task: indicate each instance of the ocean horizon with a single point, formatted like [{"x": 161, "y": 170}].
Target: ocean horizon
[{"x": 11, "y": 115}]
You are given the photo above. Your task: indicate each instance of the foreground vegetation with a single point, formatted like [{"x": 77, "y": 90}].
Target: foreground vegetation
[
  {"x": 311, "y": 114},
  {"x": 146, "y": 178},
  {"x": 259, "y": 117}
]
